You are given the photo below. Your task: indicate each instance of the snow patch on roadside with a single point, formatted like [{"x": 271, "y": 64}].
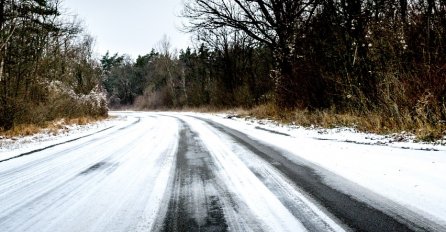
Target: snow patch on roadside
[
  {"x": 10, "y": 147},
  {"x": 403, "y": 140}
]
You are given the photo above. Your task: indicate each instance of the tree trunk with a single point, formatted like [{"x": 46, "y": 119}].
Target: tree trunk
[
  {"x": 2, "y": 21},
  {"x": 285, "y": 86},
  {"x": 2, "y": 15}
]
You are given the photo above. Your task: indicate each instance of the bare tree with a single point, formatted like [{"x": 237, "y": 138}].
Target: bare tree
[
  {"x": 275, "y": 23},
  {"x": 38, "y": 45},
  {"x": 167, "y": 67}
]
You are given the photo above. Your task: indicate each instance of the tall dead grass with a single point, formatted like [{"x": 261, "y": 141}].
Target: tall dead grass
[
  {"x": 51, "y": 127},
  {"x": 376, "y": 122}
]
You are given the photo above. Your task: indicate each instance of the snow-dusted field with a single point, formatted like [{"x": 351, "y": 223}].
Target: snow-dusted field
[{"x": 187, "y": 171}]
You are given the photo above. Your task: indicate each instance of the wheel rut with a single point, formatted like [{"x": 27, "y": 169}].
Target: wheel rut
[
  {"x": 195, "y": 202},
  {"x": 355, "y": 214}
]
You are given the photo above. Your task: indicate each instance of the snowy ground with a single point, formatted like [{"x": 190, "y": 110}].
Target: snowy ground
[
  {"x": 10, "y": 147},
  {"x": 402, "y": 140},
  {"x": 410, "y": 173},
  {"x": 169, "y": 171}
]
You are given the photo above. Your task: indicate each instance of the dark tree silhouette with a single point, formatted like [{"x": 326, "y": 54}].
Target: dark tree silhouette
[{"x": 275, "y": 23}]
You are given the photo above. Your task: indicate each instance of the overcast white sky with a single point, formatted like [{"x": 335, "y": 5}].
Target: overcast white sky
[{"x": 133, "y": 27}]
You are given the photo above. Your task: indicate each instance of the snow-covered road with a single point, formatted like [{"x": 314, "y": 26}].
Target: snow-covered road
[{"x": 191, "y": 172}]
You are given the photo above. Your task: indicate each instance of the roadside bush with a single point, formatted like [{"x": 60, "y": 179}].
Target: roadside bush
[
  {"x": 154, "y": 99},
  {"x": 64, "y": 102}
]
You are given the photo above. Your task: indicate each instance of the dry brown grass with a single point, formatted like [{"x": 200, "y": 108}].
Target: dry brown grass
[
  {"x": 202, "y": 109},
  {"x": 82, "y": 120},
  {"x": 375, "y": 122},
  {"x": 53, "y": 127},
  {"x": 21, "y": 130}
]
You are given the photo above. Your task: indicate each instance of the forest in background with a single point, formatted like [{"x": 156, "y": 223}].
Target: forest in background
[
  {"x": 47, "y": 70},
  {"x": 374, "y": 64}
]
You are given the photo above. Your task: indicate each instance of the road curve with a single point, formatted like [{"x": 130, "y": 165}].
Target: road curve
[{"x": 173, "y": 172}]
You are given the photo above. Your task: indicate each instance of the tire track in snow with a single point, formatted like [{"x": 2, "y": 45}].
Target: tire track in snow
[
  {"x": 69, "y": 146},
  {"x": 170, "y": 174},
  {"x": 36, "y": 167},
  {"x": 69, "y": 141},
  {"x": 196, "y": 201},
  {"x": 58, "y": 174},
  {"x": 74, "y": 192},
  {"x": 246, "y": 203},
  {"x": 356, "y": 214}
]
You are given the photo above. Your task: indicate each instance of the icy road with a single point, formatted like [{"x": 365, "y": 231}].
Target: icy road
[{"x": 179, "y": 172}]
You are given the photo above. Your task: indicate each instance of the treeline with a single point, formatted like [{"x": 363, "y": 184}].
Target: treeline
[
  {"x": 385, "y": 58},
  {"x": 231, "y": 75},
  {"x": 46, "y": 66}
]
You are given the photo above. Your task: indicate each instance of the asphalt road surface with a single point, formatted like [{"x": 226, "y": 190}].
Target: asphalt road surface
[{"x": 173, "y": 172}]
